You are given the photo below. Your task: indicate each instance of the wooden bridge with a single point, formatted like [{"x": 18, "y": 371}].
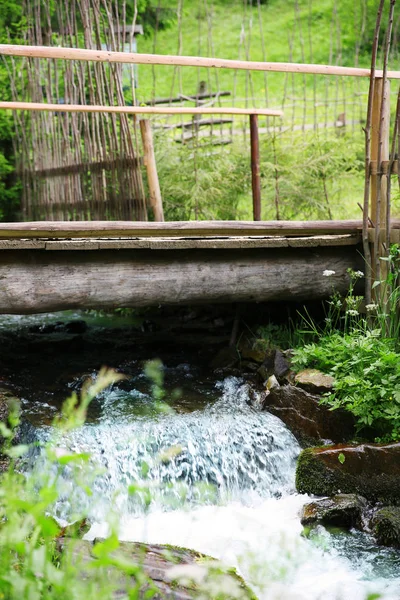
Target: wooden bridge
[{"x": 55, "y": 265}]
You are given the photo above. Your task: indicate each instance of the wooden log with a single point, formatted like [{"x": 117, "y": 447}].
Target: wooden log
[
  {"x": 41, "y": 281},
  {"x": 184, "y": 61},
  {"x": 115, "y": 229},
  {"x": 192, "y": 97},
  {"x": 255, "y": 167},
  {"x": 215, "y": 139},
  {"x": 139, "y": 110},
  {"x": 200, "y": 123},
  {"x": 151, "y": 168}
]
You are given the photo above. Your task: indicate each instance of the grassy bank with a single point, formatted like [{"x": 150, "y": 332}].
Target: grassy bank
[{"x": 308, "y": 170}]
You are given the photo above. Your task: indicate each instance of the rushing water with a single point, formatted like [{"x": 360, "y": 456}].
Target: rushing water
[{"x": 221, "y": 480}]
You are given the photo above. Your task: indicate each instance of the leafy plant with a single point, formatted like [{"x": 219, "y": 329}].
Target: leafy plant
[
  {"x": 366, "y": 368},
  {"x": 362, "y": 353},
  {"x": 201, "y": 182}
]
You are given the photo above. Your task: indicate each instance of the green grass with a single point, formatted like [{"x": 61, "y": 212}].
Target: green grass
[
  {"x": 314, "y": 176},
  {"x": 218, "y": 32}
]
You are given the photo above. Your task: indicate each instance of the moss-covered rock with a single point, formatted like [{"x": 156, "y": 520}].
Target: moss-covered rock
[
  {"x": 386, "y": 526},
  {"x": 370, "y": 470},
  {"x": 163, "y": 572},
  {"x": 256, "y": 350},
  {"x": 342, "y": 510}
]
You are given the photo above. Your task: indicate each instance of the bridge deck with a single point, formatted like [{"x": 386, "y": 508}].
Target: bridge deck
[
  {"x": 58, "y": 230},
  {"x": 42, "y": 269},
  {"x": 182, "y": 243}
]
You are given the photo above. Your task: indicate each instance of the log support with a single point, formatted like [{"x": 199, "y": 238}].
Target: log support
[{"x": 34, "y": 281}]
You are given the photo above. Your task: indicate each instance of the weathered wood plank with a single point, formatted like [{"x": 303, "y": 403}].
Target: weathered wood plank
[
  {"x": 184, "y": 61},
  {"x": 166, "y": 243},
  {"x": 112, "y": 229},
  {"x": 44, "y": 281},
  {"x": 139, "y": 110},
  {"x": 22, "y": 244}
]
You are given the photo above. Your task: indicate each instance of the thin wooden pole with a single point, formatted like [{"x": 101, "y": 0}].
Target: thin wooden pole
[
  {"x": 375, "y": 122},
  {"x": 151, "y": 168},
  {"x": 184, "y": 61},
  {"x": 380, "y": 142},
  {"x": 255, "y": 167},
  {"x": 368, "y": 184},
  {"x": 138, "y": 110}
]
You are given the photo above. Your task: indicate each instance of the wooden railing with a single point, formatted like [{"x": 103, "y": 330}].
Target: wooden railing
[
  {"x": 380, "y": 120},
  {"x": 185, "y": 61}
]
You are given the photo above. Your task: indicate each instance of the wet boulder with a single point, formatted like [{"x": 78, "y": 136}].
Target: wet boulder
[
  {"x": 370, "y": 470},
  {"x": 342, "y": 510},
  {"x": 386, "y": 526},
  {"x": 281, "y": 364},
  {"x": 162, "y": 572},
  {"x": 303, "y": 414}
]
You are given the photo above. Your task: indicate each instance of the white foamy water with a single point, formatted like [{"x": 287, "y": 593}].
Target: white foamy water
[
  {"x": 222, "y": 483},
  {"x": 264, "y": 542}
]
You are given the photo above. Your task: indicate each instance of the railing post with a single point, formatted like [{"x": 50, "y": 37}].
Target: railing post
[
  {"x": 380, "y": 141},
  {"x": 151, "y": 168},
  {"x": 255, "y": 167}
]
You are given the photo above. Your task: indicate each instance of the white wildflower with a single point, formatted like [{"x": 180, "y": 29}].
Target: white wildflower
[
  {"x": 328, "y": 273},
  {"x": 337, "y": 303},
  {"x": 358, "y": 274},
  {"x": 352, "y": 312},
  {"x": 371, "y": 307}
]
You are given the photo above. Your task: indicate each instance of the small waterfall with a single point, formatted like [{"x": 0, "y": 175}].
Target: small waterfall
[
  {"x": 221, "y": 481},
  {"x": 220, "y": 476},
  {"x": 226, "y": 451}
]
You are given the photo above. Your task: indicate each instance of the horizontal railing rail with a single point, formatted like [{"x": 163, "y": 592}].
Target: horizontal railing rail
[
  {"x": 140, "y": 110},
  {"x": 185, "y": 61},
  {"x": 121, "y": 229}
]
